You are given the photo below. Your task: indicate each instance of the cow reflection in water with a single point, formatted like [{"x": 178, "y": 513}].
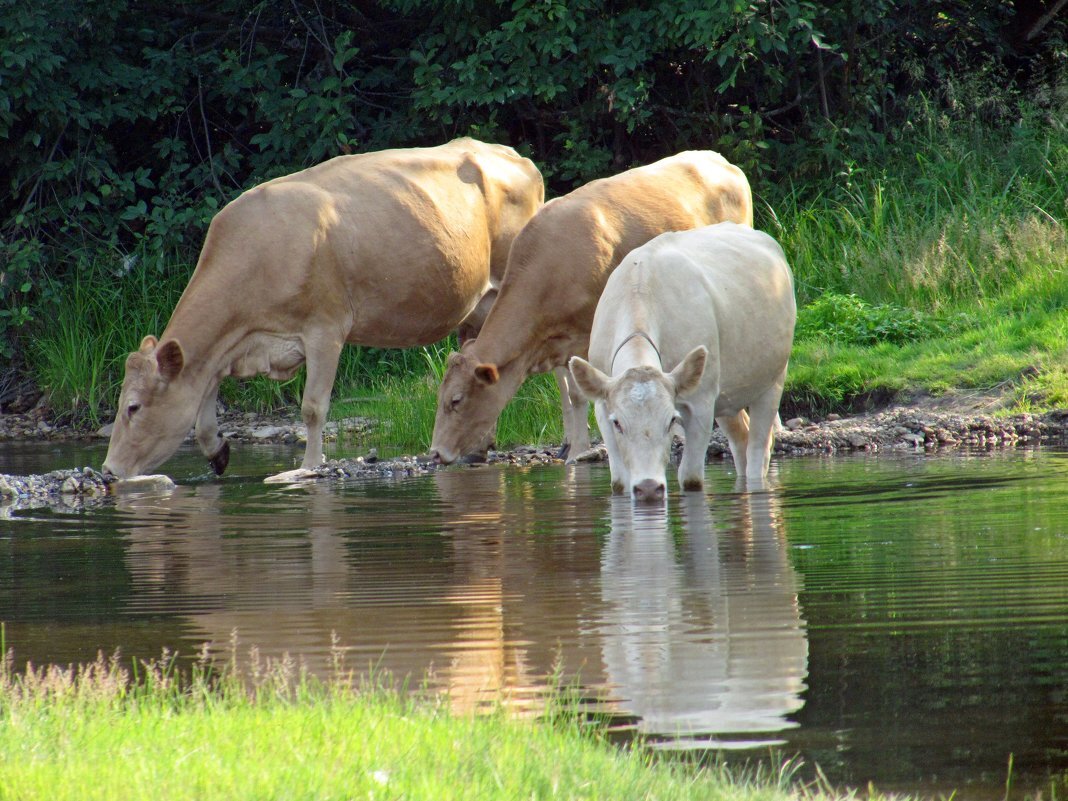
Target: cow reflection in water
[
  {"x": 703, "y": 636},
  {"x": 454, "y": 580}
]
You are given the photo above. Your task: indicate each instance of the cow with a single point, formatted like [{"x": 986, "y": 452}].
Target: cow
[
  {"x": 387, "y": 249},
  {"x": 556, "y": 270},
  {"x": 692, "y": 326}
]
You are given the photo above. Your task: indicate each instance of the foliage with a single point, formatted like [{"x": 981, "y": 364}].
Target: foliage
[
  {"x": 125, "y": 126},
  {"x": 849, "y": 319}
]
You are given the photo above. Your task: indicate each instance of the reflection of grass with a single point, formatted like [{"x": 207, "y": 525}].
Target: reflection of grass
[{"x": 272, "y": 731}]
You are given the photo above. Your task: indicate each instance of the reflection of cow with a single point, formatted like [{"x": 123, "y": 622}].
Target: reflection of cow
[
  {"x": 452, "y": 579},
  {"x": 706, "y": 639}
]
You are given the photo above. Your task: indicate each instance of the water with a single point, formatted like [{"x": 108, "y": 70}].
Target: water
[{"x": 901, "y": 620}]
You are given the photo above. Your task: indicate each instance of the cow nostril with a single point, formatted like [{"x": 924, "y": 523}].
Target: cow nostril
[
  {"x": 435, "y": 457},
  {"x": 648, "y": 491}
]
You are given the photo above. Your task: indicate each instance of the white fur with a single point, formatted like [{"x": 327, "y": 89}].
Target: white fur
[{"x": 724, "y": 290}]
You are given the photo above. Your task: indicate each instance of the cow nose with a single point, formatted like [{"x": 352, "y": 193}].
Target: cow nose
[
  {"x": 648, "y": 491},
  {"x": 107, "y": 475},
  {"x": 435, "y": 457}
]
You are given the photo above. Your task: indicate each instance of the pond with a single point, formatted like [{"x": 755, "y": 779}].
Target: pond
[{"x": 901, "y": 619}]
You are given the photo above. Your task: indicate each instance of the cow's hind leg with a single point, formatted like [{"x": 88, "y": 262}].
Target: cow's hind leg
[
  {"x": 736, "y": 427},
  {"x": 321, "y": 354},
  {"x": 209, "y": 440},
  {"x": 576, "y": 411},
  {"x": 763, "y": 416}
]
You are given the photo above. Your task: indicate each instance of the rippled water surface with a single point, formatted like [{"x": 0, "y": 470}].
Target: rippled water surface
[{"x": 902, "y": 620}]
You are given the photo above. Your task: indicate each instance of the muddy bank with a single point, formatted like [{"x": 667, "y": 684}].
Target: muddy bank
[{"x": 899, "y": 428}]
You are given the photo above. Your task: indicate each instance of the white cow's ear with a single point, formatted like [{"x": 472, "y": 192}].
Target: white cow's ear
[
  {"x": 687, "y": 375},
  {"x": 592, "y": 382},
  {"x": 148, "y": 343}
]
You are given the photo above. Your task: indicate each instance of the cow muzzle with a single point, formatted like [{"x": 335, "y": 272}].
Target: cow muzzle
[{"x": 648, "y": 490}]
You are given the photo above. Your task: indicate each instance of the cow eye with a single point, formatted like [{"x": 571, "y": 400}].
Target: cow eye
[
  {"x": 456, "y": 401},
  {"x": 675, "y": 419},
  {"x": 616, "y": 424},
  {"x": 133, "y": 409}
]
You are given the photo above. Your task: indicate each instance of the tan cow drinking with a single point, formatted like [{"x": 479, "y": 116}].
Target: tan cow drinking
[
  {"x": 693, "y": 326},
  {"x": 387, "y": 249},
  {"x": 556, "y": 271}
]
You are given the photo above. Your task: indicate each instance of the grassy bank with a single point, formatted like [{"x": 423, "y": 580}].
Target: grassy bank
[
  {"x": 92, "y": 733},
  {"x": 929, "y": 264}
]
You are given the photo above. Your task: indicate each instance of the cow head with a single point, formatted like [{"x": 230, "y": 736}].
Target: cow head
[
  {"x": 636, "y": 412},
  {"x": 471, "y": 397},
  {"x": 156, "y": 409}
]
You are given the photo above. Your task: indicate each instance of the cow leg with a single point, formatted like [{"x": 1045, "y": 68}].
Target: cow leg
[
  {"x": 206, "y": 428},
  {"x": 576, "y": 411},
  {"x": 697, "y": 424},
  {"x": 615, "y": 462},
  {"x": 736, "y": 427},
  {"x": 321, "y": 357},
  {"x": 763, "y": 414}
]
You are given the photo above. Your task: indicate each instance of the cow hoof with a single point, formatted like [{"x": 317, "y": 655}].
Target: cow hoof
[
  {"x": 221, "y": 458},
  {"x": 564, "y": 451},
  {"x": 292, "y": 476}
]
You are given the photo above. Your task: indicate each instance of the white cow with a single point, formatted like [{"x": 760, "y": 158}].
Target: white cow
[{"x": 693, "y": 325}]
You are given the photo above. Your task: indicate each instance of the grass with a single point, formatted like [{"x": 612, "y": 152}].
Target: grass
[
  {"x": 934, "y": 263},
  {"x": 274, "y": 731}
]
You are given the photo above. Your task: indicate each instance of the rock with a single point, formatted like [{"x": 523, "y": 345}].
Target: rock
[
  {"x": 598, "y": 453},
  {"x": 267, "y": 432},
  {"x": 794, "y": 423},
  {"x": 916, "y": 440},
  {"x": 104, "y": 432},
  {"x": 6, "y": 490},
  {"x": 71, "y": 486},
  {"x": 832, "y": 417}
]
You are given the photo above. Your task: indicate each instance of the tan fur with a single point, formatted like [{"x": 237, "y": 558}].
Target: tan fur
[
  {"x": 556, "y": 271},
  {"x": 387, "y": 249}
]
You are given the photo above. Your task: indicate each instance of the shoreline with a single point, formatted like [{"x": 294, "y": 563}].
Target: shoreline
[{"x": 902, "y": 428}]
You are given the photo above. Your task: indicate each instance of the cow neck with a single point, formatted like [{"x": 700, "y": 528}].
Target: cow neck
[{"x": 631, "y": 337}]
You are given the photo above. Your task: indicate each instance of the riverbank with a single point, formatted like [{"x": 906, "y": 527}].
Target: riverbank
[{"x": 929, "y": 425}]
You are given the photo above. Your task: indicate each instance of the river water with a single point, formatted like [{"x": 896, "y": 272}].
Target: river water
[{"x": 901, "y": 619}]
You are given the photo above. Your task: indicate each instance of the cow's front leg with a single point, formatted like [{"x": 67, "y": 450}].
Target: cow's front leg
[
  {"x": 576, "y": 411},
  {"x": 206, "y": 429},
  {"x": 697, "y": 425},
  {"x": 615, "y": 461}
]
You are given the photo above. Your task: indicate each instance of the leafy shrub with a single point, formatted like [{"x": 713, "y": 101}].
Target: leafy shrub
[{"x": 850, "y": 320}]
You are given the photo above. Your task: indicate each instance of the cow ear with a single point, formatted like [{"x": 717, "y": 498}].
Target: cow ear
[
  {"x": 687, "y": 374},
  {"x": 170, "y": 358},
  {"x": 592, "y": 382},
  {"x": 148, "y": 343},
  {"x": 487, "y": 374}
]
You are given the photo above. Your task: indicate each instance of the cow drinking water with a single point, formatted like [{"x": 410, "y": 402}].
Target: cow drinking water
[
  {"x": 693, "y": 326},
  {"x": 556, "y": 270},
  {"x": 388, "y": 249}
]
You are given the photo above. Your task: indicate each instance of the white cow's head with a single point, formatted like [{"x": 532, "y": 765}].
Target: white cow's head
[
  {"x": 156, "y": 409},
  {"x": 640, "y": 409}
]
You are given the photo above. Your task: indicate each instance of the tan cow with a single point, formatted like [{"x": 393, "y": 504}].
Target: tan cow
[
  {"x": 693, "y": 326},
  {"x": 556, "y": 271},
  {"x": 387, "y": 249}
]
